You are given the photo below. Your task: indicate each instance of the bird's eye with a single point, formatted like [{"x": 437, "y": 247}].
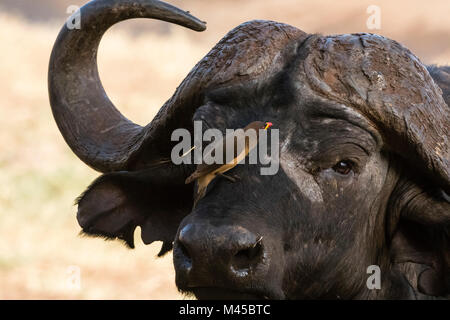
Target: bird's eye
[{"x": 343, "y": 167}]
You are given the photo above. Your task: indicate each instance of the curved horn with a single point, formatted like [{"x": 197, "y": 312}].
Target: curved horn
[{"x": 91, "y": 125}]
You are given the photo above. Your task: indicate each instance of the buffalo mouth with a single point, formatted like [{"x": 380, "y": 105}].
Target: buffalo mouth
[{"x": 212, "y": 293}]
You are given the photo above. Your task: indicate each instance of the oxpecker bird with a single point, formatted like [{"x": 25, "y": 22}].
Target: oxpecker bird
[{"x": 205, "y": 173}]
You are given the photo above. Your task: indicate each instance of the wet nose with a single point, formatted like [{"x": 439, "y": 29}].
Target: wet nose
[{"x": 203, "y": 253}]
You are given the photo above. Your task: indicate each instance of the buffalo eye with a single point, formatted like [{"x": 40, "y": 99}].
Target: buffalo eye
[{"x": 343, "y": 167}]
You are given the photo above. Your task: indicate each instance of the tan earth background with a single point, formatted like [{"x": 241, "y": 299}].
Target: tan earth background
[{"x": 141, "y": 62}]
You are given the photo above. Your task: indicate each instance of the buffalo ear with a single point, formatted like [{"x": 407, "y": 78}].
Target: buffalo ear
[
  {"x": 422, "y": 237},
  {"x": 116, "y": 203},
  {"x": 428, "y": 249}
]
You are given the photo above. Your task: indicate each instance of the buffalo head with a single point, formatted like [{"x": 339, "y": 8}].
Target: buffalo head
[{"x": 364, "y": 173}]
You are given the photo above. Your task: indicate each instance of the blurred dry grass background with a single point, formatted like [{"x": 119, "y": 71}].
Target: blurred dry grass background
[{"x": 141, "y": 63}]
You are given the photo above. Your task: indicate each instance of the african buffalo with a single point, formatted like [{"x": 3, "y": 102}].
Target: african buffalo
[{"x": 364, "y": 175}]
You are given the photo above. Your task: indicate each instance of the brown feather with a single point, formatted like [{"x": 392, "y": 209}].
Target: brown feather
[{"x": 205, "y": 173}]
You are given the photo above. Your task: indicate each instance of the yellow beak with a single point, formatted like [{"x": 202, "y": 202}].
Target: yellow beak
[{"x": 268, "y": 125}]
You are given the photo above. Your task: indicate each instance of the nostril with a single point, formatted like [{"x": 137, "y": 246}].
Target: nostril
[
  {"x": 247, "y": 258},
  {"x": 184, "y": 250},
  {"x": 181, "y": 254}
]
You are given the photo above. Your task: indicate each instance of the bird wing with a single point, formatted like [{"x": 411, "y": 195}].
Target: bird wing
[
  {"x": 203, "y": 168},
  {"x": 238, "y": 155}
]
